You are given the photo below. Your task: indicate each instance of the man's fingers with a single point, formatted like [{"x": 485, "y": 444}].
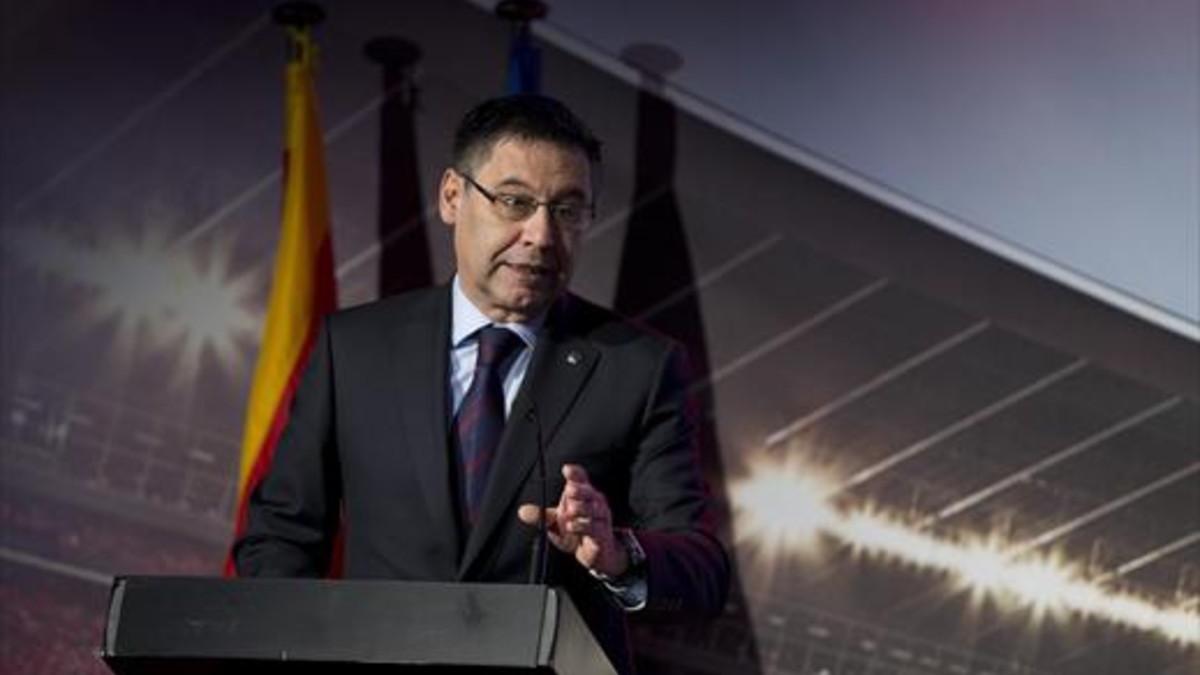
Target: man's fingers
[
  {"x": 585, "y": 492},
  {"x": 580, "y": 526},
  {"x": 577, "y": 491},
  {"x": 573, "y": 512},
  {"x": 588, "y": 552},
  {"x": 593, "y": 505},
  {"x": 567, "y": 543},
  {"x": 560, "y": 539},
  {"x": 573, "y": 508},
  {"x": 574, "y": 473},
  {"x": 557, "y": 532},
  {"x": 596, "y": 525},
  {"x": 582, "y": 509},
  {"x": 528, "y": 514},
  {"x": 582, "y": 515}
]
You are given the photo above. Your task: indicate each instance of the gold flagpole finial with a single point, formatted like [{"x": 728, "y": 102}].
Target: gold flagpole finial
[{"x": 298, "y": 18}]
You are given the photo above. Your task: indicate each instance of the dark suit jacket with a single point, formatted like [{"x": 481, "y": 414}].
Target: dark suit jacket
[{"x": 369, "y": 434}]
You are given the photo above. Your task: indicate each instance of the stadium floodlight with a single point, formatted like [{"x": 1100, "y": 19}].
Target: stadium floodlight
[
  {"x": 157, "y": 298},
  {"x": 781, "y": 507}
]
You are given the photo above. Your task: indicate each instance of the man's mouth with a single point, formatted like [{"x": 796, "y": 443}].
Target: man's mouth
[{"x": 535, "y": 270}]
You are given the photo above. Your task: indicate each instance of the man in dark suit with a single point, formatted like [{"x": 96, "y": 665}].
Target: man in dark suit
[{"x": 420, "y": 419}]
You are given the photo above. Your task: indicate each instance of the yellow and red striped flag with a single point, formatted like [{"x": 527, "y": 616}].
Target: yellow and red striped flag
[{"x": 302, "y": 287}]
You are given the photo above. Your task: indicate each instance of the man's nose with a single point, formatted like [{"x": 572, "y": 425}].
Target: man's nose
[{"x": 539, "y": 229}]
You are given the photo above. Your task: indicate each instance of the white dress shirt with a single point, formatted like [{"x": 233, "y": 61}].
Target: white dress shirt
[{"x": 465, "y": 322}]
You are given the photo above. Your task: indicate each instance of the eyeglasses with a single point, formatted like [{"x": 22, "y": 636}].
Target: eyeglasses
[{"x": 515, "y": 208}]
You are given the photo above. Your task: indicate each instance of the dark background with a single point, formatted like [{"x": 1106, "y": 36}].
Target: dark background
[{"x": 140, "y": 201}]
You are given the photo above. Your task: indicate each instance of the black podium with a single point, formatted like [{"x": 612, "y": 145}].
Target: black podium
[{"x": 195, "y": 625}]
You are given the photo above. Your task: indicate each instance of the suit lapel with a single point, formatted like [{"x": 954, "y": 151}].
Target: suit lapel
[
  {"x": 421, "y": 356},
  {"x": 561, "y": 365}
]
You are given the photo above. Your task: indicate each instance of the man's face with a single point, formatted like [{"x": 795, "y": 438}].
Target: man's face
[{"x": 512, "y": 270}]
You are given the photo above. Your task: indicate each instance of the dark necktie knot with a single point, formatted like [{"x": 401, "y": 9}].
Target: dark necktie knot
[{"x": 496, "y": 344}]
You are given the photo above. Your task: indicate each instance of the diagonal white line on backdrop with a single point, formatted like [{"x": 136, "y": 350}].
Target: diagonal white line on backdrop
[
  {"x": 358, "y": 259},
  {"x": 924, "y": 444},
  {"x": 261, "y": 185},
  {"x": 713, "y": 275},
  {"x": 1103, "y": 510},
  {"x": 47, "y": 565},
  {"x": 143, "y": 112},
  {"x": 1151, "y": 557},
  {"x": 780, "y": 435},
  {"x": 786, "y": 336},
  {"x": 620, "y": 216},
  {"x": 1029, "y": 471}
]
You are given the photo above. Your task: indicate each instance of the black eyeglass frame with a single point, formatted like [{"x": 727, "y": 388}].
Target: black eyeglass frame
[{"x": 517, "y": 208}]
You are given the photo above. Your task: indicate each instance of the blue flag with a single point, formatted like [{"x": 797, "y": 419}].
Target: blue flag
[{"x": 524, "y": 63}]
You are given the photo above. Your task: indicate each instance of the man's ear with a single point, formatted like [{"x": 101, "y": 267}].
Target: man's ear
[{"x": 450, "y": 192}]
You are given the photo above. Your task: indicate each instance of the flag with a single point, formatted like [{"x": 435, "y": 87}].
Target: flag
[
  {"x": 302, "y": 286},
  {"x": 524, "y": 74}
]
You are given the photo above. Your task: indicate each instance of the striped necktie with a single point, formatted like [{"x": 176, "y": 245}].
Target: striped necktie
[{"x": 480, "y": 420}]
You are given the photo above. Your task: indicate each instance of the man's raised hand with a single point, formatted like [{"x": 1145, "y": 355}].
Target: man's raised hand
[{"x": 581, "y": 524}]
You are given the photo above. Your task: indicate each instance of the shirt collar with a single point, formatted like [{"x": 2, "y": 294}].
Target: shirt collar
[{"x": 466, "y": 319}]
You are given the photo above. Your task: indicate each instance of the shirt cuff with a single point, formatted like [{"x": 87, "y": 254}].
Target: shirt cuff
[{"x": 629, "y": 592}]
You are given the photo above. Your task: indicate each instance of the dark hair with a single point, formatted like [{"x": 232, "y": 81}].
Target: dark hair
[{"x": 525, "y": 116}]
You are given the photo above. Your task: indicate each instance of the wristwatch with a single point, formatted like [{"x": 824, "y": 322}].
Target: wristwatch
[{"x": 630, "y": 590}]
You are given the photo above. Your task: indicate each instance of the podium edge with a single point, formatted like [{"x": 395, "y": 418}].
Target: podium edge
[{"x": 116, "y": 599}]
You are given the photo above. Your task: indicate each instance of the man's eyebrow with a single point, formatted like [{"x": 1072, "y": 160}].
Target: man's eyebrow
[{"x": 514, "y": 182}]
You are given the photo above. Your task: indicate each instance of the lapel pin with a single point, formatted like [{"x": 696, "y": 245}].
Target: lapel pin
[{"x": 574, "y": 357}]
